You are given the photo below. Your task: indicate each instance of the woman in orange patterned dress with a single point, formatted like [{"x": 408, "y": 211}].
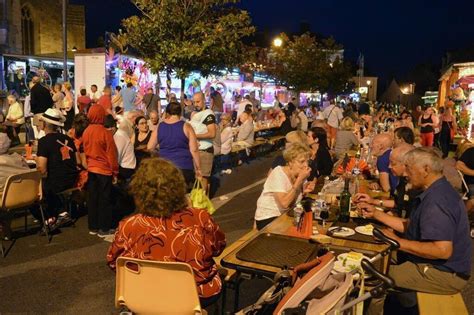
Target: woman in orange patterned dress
[{"x": 166, "y": 229}]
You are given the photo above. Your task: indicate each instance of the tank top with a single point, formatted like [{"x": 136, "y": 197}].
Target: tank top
[
  {"x": 174, "y": 145},
  {"x": 141, "y": 154},
  {"x": 426, "y": 129}
]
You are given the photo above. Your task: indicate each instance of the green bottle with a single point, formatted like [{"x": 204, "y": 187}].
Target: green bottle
[{"x": 345, "y": 203}]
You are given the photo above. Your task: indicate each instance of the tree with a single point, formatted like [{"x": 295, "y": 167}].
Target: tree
[
  {"x": 188, "y": 35},
  {"x": 304, "y": 64}
]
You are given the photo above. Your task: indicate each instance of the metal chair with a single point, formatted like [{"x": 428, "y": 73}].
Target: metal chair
[
  {"x": 156, "y": 287},
  {"x": 20, "y": 193}
]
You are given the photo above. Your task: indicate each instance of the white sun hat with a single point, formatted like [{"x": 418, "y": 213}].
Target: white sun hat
[{"x": 54, "y": 117}]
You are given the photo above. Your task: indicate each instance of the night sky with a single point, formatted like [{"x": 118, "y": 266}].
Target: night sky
[{"x": 393, "y": 35}]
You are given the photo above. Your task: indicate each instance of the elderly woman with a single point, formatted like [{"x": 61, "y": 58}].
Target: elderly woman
[
  {"x": 68, "y": 109},
  {"x": 58, "y": 96},
  {"x": 284, "y": 185},
  {"x": 345, "y": 137},
  {"x": 166, "y": 229},
  {"x": 14, "y": 119}
]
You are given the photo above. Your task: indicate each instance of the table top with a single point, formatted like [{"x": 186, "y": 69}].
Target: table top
[{"x": 281, "y": 226}]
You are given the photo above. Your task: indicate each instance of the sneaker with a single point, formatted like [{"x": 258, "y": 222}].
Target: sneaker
[
  {"x": 104, "y": 234},
  {"x": 63, "y": 219},
  {"x": 93, "y": 232}
]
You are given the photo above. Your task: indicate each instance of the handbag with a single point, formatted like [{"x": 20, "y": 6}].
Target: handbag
[{"x": 199, "y": 198}]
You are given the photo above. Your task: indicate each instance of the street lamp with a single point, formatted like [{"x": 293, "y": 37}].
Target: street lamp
[
  {"x": 368, "y": 89},
  {"x": 277, "y": 42}
]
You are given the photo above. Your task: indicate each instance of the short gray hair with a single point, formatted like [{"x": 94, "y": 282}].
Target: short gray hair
[{"x": 425, "y": 157}]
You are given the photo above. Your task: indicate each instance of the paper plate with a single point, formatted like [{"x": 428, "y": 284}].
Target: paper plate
[
  {"x": 365, "y": 229},
  {"x": 344, "y": 232},
  {"x": 346, "y": 264}
]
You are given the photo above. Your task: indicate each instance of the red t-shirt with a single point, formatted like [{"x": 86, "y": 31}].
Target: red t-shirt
[
  {"x": 83, "y": 102},
  {"x": 106, "y": 102}
]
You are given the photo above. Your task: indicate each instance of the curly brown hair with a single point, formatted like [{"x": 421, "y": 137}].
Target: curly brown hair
[{"x": 158, "y": 188}]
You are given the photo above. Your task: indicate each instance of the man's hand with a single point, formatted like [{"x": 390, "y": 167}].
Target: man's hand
[
  {"x": 366, "y": 210},
  {"x": 363, "y": 198},
  {"x": 374, "y": 186}
]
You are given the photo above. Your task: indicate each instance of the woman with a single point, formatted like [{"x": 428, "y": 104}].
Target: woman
[
  {"x": 141, "y": 139},
  {"x": 166, "y": 229},
  {"x": 321, "y": 162},
  {"x": 58, "y": 96},
  {"x": 427, "y": 122},
  {"x": 178, "y": 143},
  {"x": 345, "y": 137},
  {"x": 14, "y": 119},
  {"x": 284, "y": 185},
  {"x": 226, "y": 142},
  {"x": 117, "y": 99},
  {"x": 448, "y": 129},
  {"x": 68, "y": 105}
]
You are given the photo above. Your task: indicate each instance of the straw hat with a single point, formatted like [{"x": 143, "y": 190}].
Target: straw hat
[{"x": 54, "y": 117}]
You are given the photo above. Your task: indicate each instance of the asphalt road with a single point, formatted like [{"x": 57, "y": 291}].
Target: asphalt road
[{"x": 69, "y": 275}]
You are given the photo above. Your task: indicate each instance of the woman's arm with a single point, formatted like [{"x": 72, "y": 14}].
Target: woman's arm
[{"x": 153, "y": 142}]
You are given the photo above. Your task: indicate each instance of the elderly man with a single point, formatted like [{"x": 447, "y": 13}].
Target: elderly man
[
  {"x": 151, "y": 101},
  {"x": 204, "y": 124},
  {"x": 403, "y": 197},
  {"x": 381, "y": 148},
  {"x": 435, "y": 244},
  {"x": 154, "y": 120}
]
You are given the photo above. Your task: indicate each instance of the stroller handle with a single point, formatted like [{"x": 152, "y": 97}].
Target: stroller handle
[
  {"x": 379, "y": 235},
  {"x": 367, "y": 265}
]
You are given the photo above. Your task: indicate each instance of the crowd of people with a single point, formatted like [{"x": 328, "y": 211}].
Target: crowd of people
[{"x": 158, "y": 154}]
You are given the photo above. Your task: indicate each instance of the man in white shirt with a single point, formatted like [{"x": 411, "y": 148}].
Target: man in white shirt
[
  {"x": 333, "y": 115},
  {"x": 95, "y": 93}
]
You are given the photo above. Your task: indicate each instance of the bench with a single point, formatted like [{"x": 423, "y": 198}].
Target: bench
[{"x": 437, "y": 304}]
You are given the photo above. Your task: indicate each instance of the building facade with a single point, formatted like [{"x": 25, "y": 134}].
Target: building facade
[{"x": 34, "y": 27}]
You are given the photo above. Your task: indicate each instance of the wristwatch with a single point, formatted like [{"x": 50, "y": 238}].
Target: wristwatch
[{"x": 381, "y": 203}]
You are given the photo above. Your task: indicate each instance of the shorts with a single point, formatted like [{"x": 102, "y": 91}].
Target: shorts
[
  {"x": 332, "y": 132},
  {"x": 206, "y": 159}
]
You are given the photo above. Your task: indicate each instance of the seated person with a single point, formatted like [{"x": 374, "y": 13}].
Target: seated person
[
  {"x": 402, "y": 203},
  {"x": 435, "y": 239},
  {"x": 174, "y": 232},
  {"x": 403, "y": 135},
  {"x": 321, "y": 161},
  {"x": 284, "y": 185},
  {"x": 381, "y": 148},
  {"x": 57, "y": 160},
  {"x": 10, "y": 164},
  {"x": 296, "y": 136},
  {"x": 14, "y": 119},
  {"x": 246, "y": 134},
  {"x": 345, "y": 137}
]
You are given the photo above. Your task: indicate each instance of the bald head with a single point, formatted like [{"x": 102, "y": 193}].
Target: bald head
[
  {"x": 399, "y": 152},
  {"x": 381, "y": 143},
  {"x": 199, "y": 100}
]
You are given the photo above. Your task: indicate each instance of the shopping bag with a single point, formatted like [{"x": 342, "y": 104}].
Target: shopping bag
[{"x": 199, "y": 198}]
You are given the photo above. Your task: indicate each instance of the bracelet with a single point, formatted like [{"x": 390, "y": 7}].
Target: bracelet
[{"x": 381, "y": 203}]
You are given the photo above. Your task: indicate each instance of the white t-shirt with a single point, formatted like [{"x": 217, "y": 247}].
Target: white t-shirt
[
  {"x": 126, "y": 155},
  {"x": 226, "y": 140},
  {"x": 241, "y": 107},
  {"x": 334, "y": 115},
  {"x": 267, "y": 206}
]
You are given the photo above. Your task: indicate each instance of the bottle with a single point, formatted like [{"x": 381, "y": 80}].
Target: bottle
[
  {"x": 297, "y": 211},
  {"x": 345, "y": 203}
]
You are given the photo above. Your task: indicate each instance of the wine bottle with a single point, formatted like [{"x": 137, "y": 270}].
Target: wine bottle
[{"x": 345, "y": 203}]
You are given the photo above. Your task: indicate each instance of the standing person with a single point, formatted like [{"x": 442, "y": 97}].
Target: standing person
[
  {"x": 117, "y": 98},
  {"x": 437, "y": 127},
  {"x": 83, "y": 101},
  {"x": 417, "y": 114},
  {"x": 448, "y": 130},
  {"x": 226, "y": 143},
  {"x": 106, "y": 100},
  {"x": 255, "y": 103},
  {"x": 427, "y": 123},
  {"x": 57, "y": 160},
  {"x": 128, "y": 97},
  {"x": 333, "y": 116},
  {"x": 217, "y": 103},
  {"x": 58, "y": 96},
  {"x": 40, "y": 100},
  {"x": 154, "y": 120},
  {"x": 14, "y": 120},
  {"x": 68, "y": 108},
  {"x": 95, "y": 94},
  {"x": 178, "y": 143},
  {"x": 101, "y": 155},
  {"x": 141, "y": 139},
  {"x": 204, "y": 125},
  {"x": 151, "y": 101},
  {"x": 246, "y": 135},
  {"x": 125, "y": 152},
  {"x": 188, "y": 107}
]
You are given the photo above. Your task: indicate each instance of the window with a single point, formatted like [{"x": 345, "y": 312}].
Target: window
[{"x": 27, "y": 30}]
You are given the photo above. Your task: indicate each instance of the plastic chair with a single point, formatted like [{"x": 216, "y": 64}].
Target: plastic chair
[
  {"x": 156, "y": 287},
  {"x": 20, "y": 193},
  {"x": 466, "y": 187}
]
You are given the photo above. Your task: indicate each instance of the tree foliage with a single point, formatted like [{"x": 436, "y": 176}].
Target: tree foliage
[
  {"x": 305, "y": 64},
  {"x": 188, "y": 35}
]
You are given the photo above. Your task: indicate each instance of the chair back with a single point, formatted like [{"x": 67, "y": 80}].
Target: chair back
[
  {"x": 466, "y": 187},
  {"x": 21, "y": 190},
  {"x": 155, "y": 287}
]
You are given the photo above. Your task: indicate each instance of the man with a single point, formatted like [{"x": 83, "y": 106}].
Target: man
[
  {"x": 128, "y": 97},
  {"x": 40, "y": 101},
  {"x": 241, "y": 104},
  {"x": 204, "y": 124},
  {"x": 416, "y": 115},
  {"x": 333, "y": 115},
  {"x": 402, "y": 202},
  {"x": 151, "y": 101},
  {"x": 381, "y": 148},
  {"x": 57, "y": 160},
  {"x": 95, "y": 94},
  {"x": 254, "y": 101},
  {"x": 217, "y": 103},
  {"x": 403, "y": 135},
  {"x": 154, "y": 120},
  {"x": 106, "y": 100},
  {"x": 435, "y": 244}
]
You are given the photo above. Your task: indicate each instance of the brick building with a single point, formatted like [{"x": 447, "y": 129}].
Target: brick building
[{"x": 34, "y": 27}]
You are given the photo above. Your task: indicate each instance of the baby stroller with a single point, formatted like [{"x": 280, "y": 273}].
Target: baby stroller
[{"x": 317, "y": 291}]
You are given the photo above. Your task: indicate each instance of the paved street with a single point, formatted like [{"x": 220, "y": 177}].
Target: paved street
[{"x": 69, "y": 276}]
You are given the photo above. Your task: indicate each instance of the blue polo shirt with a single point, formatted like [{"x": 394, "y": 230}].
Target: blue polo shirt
[
  {"x": 440, "y": 215},
  {"x": 383, "y": 166}
]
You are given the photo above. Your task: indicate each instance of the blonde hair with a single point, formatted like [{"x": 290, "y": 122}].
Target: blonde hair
[
  {"x": 297, "y": 136},
  {"x": 296, "y": 150},
  {"x": 347, "y": 124},
  {"x": 11, "y": 97},
  {"x": 67, "y": 86}
]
